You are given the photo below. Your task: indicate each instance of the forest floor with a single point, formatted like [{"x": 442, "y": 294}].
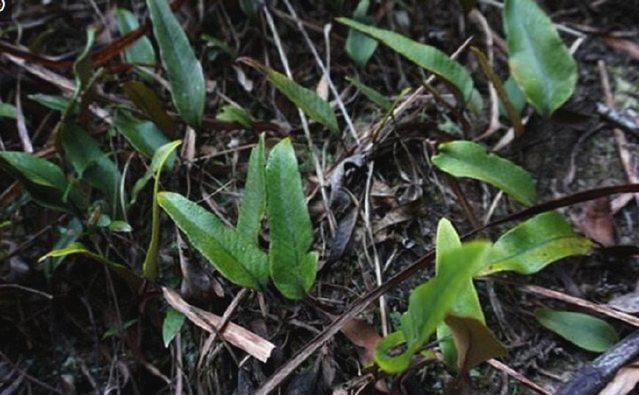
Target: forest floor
[{"x": 72, "y": 327}]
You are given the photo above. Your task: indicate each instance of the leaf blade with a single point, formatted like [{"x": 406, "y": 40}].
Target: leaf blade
[
  {"x": 233, "y": 255},
  {"x": 583, "y": 330},
  {"x": 539, "y": 60},
  {"x": 292, "y": 269},
  {"x": 467, "y": 159},
  {"x": 253, "y": 203},
  {"x": 424, "y": 56},
  {"x": 534, "y": 244},
  {"x": 184, "y": 71}
]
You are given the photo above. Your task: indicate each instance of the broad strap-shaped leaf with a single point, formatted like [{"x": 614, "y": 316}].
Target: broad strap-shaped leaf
[
  {"x": 132, "y": 279},
  {"x": 371, "y": 94},
  {"x": 253, "y": 204},
  {"x": 538, "y": 59},
  {"x": 532, "y": 245},
  {"x": 467, "y": 303},
  {"x": 7, "y": 111},
  {"x": 305, "y": 99},
  {"x": 424, "y": 56},
  {"x": 160, "y": 158},
  {"x": 236, "y": 257},
  {"x": 183, "y": 70},
  {"x": 233, "y": 113},
  {"x": 359, "y": 46},
  {"x": 91, "y": 163},
  {"x": 148, "y": 101},
  {"x": 144, "y": 136},
  {"x": 173, "y": 322},
  {"x": 429, "y": 303},
  {"x": 292, "y": 267},
  {"x": 467, "y": 159},
  {"x": 141, "y": 51},
  {"x": 585, "y": 331},
  {"x": 52, "y": 102},
  {"x": 44, "y": 180}
]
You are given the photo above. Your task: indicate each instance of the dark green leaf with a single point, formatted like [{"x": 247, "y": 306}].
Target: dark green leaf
[
  {"x": 233, "y": 255},
  {"x": 92, "y": 165},
  {"x": 585, "y": 331},
  {"x": 45, "y": 181},
  {"x": 141, "y": 51},
  {"x": 534, "y": 244},
  {"x": 253, "y": 202},
  {"x": 425, "y": 56},
  {"x": 517, "y": 98},
  {"x": 144, "y": 136},
  {"x": 53, "y": 102},
  {"x": 182, "y": 67},
  {"x": 371, "y": 94},
  {"x": 467, "y": 159},
  {"x": 173, "y": 322},
  {"x": 150, "y": 104},
  {"x": 538, "y": 59},
  {"x": 292, "y": 267},
  {"x": 307, "y": 100},
  {"x": 359, "y": 46}
]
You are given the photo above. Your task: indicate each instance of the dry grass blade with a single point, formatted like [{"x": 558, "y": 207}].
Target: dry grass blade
[{"x": 236, "y": 335}]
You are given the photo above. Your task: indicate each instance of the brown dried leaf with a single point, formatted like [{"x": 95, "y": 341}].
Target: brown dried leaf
[
  {"x": 629, "y": 47},
  {"x": 597, "y": 222},
  {"x": 234, "y": 334},
  {"x": 474, "y": 341},
  {"x": 364, "y": 336}
]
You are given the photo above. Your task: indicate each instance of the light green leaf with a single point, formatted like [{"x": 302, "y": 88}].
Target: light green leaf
[
  {"x": 161, "y": 156},
  {"x": 253, "y": 202},
  {"x": 292, "y": 267},
  {"x": 183, "y": 70},
  {"x": 371, "y": 94},
  {"x": 144, "y": 136},
  {"x": 124, "y": 272},
  {"x": 467, "y": 304},
  {"x": 173, "y": 322},
  {"x": 231, "y": 113},
  {"x": 45, "y": 181},
  {"x": 306, "y": 99},
  {"x": 424, "y": 56},
  {"x": 467, "y": 159},
  {"x": 120, "y": 226},
  {"x": 7, "y": 111},
  {"x": 359, "y": 46},
  {"x": 233, "y": 255},
  {"x": 141, "y": 51},
  {"x": 92, "y": 165},
  {"x": 148, "y": 101},
  {"x": 430, "y": 302},
  {"x": 53, "y": 102},
  {"x": 585, "y": 331},
  {"x": 538, "y": 59},
  {"x": 534, "y": 244}
]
